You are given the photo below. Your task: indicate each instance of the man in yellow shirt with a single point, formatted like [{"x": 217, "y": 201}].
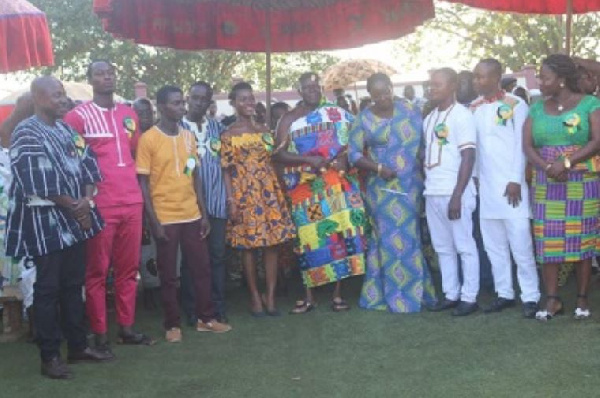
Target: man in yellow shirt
[{"x": 167, "y": 166}]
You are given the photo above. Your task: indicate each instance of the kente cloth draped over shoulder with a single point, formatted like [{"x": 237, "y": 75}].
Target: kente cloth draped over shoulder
[
  {"x": 397, "y": 277},
  {"x": 326, "y": 207},
  {"x": 265, "y": 217}
]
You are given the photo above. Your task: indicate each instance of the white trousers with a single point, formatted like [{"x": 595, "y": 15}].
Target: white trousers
[
  {"x": 452, "y": 238},
  {"x": 500, "y": 239}
]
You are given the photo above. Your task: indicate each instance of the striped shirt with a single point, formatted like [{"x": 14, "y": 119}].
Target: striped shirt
[
  {"x": 208, "y": 137},
  {"x": 112, "y": 133},
  {"x": 47, "y": 161}
]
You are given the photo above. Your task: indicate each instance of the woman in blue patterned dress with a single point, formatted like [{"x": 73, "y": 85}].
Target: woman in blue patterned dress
[{"x": 386, "y": 142}]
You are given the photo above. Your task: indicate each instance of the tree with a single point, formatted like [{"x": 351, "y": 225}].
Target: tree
[
  {"x": 516, "y": 39},
  {"x": 78, "y": 37}
]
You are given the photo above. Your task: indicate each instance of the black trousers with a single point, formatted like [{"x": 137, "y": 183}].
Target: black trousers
[{"x": 58, "y": 302}]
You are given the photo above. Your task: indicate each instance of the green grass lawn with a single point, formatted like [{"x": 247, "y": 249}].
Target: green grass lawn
[{"x": 326, "y": 354}]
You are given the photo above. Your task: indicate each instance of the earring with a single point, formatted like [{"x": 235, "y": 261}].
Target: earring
[{"x": 562, "y": 85}]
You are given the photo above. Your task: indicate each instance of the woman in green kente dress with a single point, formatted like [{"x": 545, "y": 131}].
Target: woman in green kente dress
[{"x": 561, "y": 137}]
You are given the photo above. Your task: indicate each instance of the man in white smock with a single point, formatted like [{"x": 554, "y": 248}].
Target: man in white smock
[{"x": 503, "y": 191}]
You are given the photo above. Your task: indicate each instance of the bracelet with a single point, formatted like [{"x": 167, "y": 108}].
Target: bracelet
[
  {"x": 548, "y": 166},
  {"x": 379, "y": 167}
]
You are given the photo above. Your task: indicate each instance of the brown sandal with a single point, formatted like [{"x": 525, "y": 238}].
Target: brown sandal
[
  {"x": 302, "y": 307},
  {"x": 338, "y": 304}
]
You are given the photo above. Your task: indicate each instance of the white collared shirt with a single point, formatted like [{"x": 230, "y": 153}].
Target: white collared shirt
[
  {"x": 500, "y": 159},
  {"x": 442, "y": 155}
]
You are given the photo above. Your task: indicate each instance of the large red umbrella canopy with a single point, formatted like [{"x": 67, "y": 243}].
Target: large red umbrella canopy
[
  {"x": 262, "y": 25},
  {"x": 556, "y": 7},
  {"x": 24, "y": 37}
]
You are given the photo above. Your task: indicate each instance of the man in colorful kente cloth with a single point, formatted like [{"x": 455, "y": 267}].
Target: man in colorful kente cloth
[{"x": 326, "y": 204}]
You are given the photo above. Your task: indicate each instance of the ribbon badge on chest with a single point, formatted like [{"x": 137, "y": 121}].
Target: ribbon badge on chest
[
  {"x": 130, "y": 126},
  {"x": 503, "y": 114},
  {"x": 214, "y": 145},
  {"x": 572, "y": 123},
  {"x": 190, "y": 165},
  {"x": 441, "y": 132},
  {"x": 79, "y": 144}
]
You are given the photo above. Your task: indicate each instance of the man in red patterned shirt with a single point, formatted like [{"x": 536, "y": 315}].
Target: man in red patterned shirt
[{"x": 112, "y": 132}]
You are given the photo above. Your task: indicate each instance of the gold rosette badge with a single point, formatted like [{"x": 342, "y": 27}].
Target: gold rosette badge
[
  {"x": 572, "y": 123},
  {"x": 441, "y": 132},
  {"x": 504, "y": 114}
]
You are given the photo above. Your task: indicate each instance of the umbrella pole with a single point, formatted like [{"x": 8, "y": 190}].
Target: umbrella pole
[
  {"x": 569, "y": 27},
  {"x": 355, "y": 93},
  {"x": 268, "y": 64}
]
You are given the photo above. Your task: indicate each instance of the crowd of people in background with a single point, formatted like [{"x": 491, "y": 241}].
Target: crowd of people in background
[{"x": 479, "y": 174}]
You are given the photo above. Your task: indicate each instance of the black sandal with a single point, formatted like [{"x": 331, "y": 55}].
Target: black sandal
[
  {"x": 135, "y": 339},
  {"x": 338, "y": 304},
  {"x": 302, "y": 307}
]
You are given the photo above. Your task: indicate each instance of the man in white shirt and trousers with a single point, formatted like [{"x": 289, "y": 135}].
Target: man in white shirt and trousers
[
  {"x": 450, "y": 193},
  {"x": 503, "y": 191}
]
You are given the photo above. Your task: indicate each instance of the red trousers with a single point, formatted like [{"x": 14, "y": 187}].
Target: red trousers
[
  {"x": 195, "y": 251},
  {"x": 119, "y": 245}
]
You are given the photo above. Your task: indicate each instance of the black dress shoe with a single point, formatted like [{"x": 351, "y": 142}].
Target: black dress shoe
[
  {"x": 499, "y": 304},
  {"x": 465, "y": 309},
  {"x": 222, "y": 318},
  {"x": 98, "y": 354},
  {"x": 443, "y": 305},
  {"x": 529, "y": 309},
  {"x": 56, "y": 369}
]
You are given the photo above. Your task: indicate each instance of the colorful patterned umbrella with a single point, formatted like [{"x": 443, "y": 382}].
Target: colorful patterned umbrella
[
  {"x": 346, "y": 73},
  {"x": 24, "y": 37},
  {"x": 552, "y": 7}
]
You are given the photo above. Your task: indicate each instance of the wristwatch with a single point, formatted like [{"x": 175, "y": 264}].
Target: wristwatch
[{"x": 567, "y": 163}]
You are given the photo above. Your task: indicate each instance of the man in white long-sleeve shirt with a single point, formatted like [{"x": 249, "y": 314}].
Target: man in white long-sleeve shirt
[
  {"x": 450, "y": 193},
  {"x": 503, "y": 191}
]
